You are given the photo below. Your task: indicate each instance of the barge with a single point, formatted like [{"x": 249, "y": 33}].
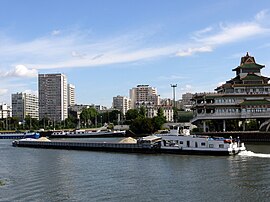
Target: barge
[
  {"x": 172, "y": 142},
  {"x": 19, "y": 135},
  {"x": 145, "y": 145}
]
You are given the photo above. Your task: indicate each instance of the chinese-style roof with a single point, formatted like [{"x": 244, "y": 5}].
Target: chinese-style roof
[
  {"x": 255, "y": 102},
  {"x": 252, "y": 76},
  {"x": 248, "y": 62},
  {"x": 251, "y": 65}
]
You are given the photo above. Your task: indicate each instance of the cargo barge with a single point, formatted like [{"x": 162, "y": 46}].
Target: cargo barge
[{"x": 141, "y": 146}]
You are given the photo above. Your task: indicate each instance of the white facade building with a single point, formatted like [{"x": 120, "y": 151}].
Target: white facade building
[
  {"x": 121, "y": 103},
  {"x": 143, "y": 94},
  {"x": 71, "y": 95},
  {"x": 24, "y": 104},
  {"x": 5, "y": 111},
  {"x": 53, "y": 99}
]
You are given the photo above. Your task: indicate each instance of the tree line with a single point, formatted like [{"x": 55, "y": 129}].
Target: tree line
[{"x": 91, "y": 118}]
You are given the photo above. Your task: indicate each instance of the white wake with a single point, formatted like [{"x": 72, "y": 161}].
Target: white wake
[{"x": 252, "y": 154}]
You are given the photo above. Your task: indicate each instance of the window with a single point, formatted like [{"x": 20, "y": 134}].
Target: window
[
  {"x": 203, "y": 144},
  {"x": 181, "y": 142},
  {"x": 211, "y": 146},
  {"x": 221, "y": 146}
]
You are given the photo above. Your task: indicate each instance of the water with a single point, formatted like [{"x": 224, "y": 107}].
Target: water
[{"x": 29, "y": 174}]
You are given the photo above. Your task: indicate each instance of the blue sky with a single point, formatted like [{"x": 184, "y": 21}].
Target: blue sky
[{"x": 106, "y": 47}]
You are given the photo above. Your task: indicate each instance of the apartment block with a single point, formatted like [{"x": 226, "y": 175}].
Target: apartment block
[
  {"x": 24, "y": 104},
  {"x": 53, "y": 96}
]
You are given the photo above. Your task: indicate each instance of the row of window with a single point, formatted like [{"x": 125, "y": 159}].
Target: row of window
[{"x": 172, "y": 143}]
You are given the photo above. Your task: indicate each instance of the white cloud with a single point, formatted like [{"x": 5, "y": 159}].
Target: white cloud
[
  {"x": 226, "y": 33},
  {"x": 55, "y": 32},
  {"x": 77, "y": 49},
  {"x": 3, "y": 91},
  {"x": 232, "y": 33},
  {"x": 261, "y": 15},
  {"x": 21, "y": 71},
  {"x": 191, "y": 51},
  {"x": 203, "y": 31}
]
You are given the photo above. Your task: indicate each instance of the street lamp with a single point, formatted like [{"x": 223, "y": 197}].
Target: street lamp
[{"x": 173, "y": 86}]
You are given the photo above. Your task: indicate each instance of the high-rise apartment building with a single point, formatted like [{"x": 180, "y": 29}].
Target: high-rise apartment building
[
  {"x": 144, "y": 95},
  {"x": 53, "y": 99},
  {"x": 5, "y": 111},
  {"x": 24, "y": 104},
  {"x": 121, "y": 103},
  {"x": 71, "y": 95}
]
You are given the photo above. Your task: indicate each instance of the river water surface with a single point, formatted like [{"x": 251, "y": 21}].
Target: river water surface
[{"x": 28, "y": 174}]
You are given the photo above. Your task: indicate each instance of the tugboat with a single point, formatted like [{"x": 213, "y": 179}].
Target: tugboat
[{"x": 179, "y": 140}]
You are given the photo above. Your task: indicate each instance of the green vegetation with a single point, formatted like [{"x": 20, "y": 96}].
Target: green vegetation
[
  {"x": 141, "y": 125},
  {"x": 89, "y": 118}
]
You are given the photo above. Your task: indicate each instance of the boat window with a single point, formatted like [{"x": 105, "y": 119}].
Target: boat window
[
  {"x": 203, "y": 144},
  {"x": 164, "y": 142},
  {"x": 188, "y": 144},
  {"x": 211, "y": 146},
  {"x": 221, "y": 146},
  {"x": 181, "y": 142},
  {"x": 196, "y": 144}
]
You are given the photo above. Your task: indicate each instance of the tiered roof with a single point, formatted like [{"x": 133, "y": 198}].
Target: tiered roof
[{"x": 251, "y": 74}]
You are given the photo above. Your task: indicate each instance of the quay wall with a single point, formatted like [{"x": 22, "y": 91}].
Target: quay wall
[{"x": 244, "y": 136}]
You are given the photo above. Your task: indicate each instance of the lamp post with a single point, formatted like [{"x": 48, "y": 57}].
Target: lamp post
[{"x": 174, "y": 86}]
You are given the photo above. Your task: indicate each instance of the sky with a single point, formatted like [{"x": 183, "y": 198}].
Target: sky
[{"x": 107, "y": 47}]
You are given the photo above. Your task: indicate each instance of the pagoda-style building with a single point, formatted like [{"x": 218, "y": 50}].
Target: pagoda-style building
[{"x": 245, "y": 97}]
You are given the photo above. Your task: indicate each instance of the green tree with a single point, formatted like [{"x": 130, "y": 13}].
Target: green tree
[
  {"x": 88, "y": 116},
  {"x": 158, "y": 120},
  {"x": 142, "y": 111},
  {"x": 142, "y": 125},
  {"x": 132, "y": 114}
]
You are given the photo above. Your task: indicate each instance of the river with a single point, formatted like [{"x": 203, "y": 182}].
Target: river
[{"x": 29, "y": 174}]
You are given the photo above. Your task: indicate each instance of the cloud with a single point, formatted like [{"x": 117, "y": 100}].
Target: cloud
[
  {"x": 3, "y": 91},
  {"x": 79, "y": 49},
  {"x": 261, "y": 15},
  {"x": 232, "y": 33},
  {"x": 203, "y": 31},
  {"x": 55, "y": 32},
  {"x": 20, "y": 71},
  {"x": 191, "y": 51},
  {"x": 204, "y": 41}
]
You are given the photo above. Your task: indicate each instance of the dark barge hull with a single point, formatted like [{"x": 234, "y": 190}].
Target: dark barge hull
[{"x": 111, "y": 147}]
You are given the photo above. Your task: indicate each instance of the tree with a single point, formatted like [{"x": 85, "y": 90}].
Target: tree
[
  {"x": 88, "y": 116},
  {"x": 142, "y": 125},
  {"x": 132, "y": 114},
  {"x": 142, "y": 111}
]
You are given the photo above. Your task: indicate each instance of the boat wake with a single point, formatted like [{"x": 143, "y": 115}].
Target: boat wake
[{"x": 252, "y": 154}]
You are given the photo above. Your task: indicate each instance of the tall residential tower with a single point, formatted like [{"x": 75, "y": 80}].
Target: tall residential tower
[
  {"x": 53, "y": 99},
  {"x": 71, "y": 95},
  {"x": 24, "y": 104}
]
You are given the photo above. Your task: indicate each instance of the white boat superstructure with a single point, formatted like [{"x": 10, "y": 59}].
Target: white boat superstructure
[
  {"x": 179, "y": 140},
  {"x": 86, "y": 133}
]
